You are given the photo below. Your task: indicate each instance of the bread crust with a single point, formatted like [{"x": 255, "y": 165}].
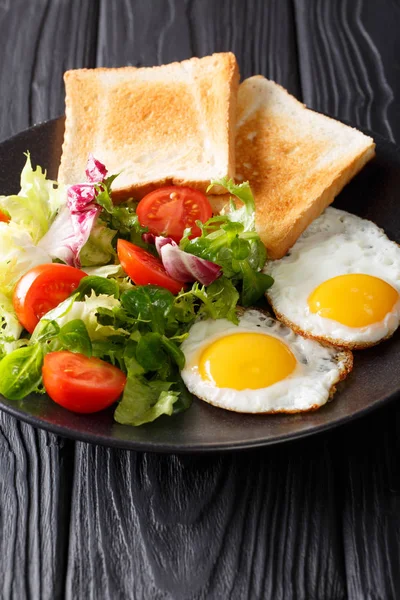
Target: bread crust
[
  {"x": 172, "y": 124},
  {"x": 296, "y": 160}
]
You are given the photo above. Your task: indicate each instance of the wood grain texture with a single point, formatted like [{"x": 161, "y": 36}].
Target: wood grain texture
[
  {"x": 40, "y": 39},
  {"x": 348, "y": 69},
  {"x": 370, "y": 506},
  {"x": 34, "y": 512},
  {"x": 255, "y": 525},
  {"x": 44, "y": 39},
  {"x": 318, "y": 519},
  {"x": 261, "y": 34},
  {"x": 348, "y": 61}
]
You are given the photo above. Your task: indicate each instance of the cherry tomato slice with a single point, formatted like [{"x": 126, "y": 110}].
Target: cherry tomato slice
[
  {"x": 170, "y": 210},
  {"x": 41, "y": 289},
  {"x": 3, "y": 217},
  {"x": 144, "y": 268},
  {"x": 81, "y": 384}
]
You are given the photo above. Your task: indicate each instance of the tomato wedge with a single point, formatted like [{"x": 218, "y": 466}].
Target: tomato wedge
[
  {"x": 81, "y": 384},
  {"x": 3, "y": 217},
  {"x": 144, "y": 268},
  {"x": 41, "y": 289},
  {"x": 170, "y": 210}
]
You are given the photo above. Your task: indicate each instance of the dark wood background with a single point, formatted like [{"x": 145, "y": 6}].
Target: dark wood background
[{"x": 317, "y": 519}]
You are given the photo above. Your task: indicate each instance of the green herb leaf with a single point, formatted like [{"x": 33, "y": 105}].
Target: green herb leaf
[
  {"x": 219, "y": 299},
  {"x": 21, "y": 372},
  {"x": 174, "y": 351},
  {"x": 154, "y": 350},
  {"x": 103, "y": 196},
  {"x": 184, "y": 399},
  {"x": 124, "y": 220},
  {"x": 254, "y": 284},
  {"x": 112, "y": 349},
  {"x": 149, "y": 303},
  {"x": 74, "y": 336},
  {"x": 150, "y": 352},
  {"x": 184, "y": 309},
  {"x": 99, "y": 285},
  {"x": 257, "y": 255}
]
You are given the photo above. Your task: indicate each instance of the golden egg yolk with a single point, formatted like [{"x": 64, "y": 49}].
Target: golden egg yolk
[
  {"x": 355, "y": 299},
  {"x": 243, "y": 361}
]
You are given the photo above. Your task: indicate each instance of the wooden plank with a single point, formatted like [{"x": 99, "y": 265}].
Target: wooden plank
[
  {"x": 262, "y": 37},
  {"x": 347, "y": 61},
  {"x": 44, "y": 39},
  {"x": 254, "y": 525},
  {"x": 39, "y": 41},
  {"x": 347, "y": 69},
  {"x": 370, "y": 483},
  {"x": 34, "y": 511}
]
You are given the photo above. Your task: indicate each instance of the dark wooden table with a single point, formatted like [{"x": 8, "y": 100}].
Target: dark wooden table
[{"x": 316, "y": 519}]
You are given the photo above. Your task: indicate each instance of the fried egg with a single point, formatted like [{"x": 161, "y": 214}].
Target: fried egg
[
  {"x": 260, "y": 365},
  {"x": 340, "y": 282}
]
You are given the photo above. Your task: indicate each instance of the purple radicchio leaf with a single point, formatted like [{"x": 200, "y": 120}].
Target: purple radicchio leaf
[
  {"x": 71, "y": 228},
  {"x": 80, "y": 196},
  {"x": 60, "y": 240},
  {"x": 184, "y": 266},
  {"x": 82, "y": 223},
  {"x": 96, "y": 172},
  {"x": 161, "y": 241}
]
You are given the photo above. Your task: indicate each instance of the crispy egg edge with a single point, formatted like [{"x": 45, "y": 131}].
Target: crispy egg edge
[
  {"x": 336, "y": 343},
  {"x": 344, "y": 359}
]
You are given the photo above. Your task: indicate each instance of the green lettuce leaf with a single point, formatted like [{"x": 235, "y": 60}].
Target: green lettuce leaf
[
  {"x": 219, "y": 300},
  {"x": 74, "y": 336},
  {"x": 17, "y": 255},
  {"x": 21, "y": 372},
  {"x": 153, "y": 351},
  {"x": 232, "y": 242},
  {"x": 244, "y": 214},
  {"x": 114, "y": 272},
  {"x": 98, "y": 250},
  {"x": 97, "y": 284},
  {"x": 106, "y": 271},
  {"x": 10, "y": 329},
  {"x": 254, "y": 284},
  {"x": 150, "y": 304},
  {"x": 103, "y": 196},
  {"x": 123, "y": 219},
  {"x": 144, "y": 401},
  {"x": 37, "y": 203},
  {"x": 87, "y": 311}
]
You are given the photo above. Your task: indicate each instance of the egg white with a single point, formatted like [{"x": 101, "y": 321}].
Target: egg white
[
  {"x": 308, "y": 387},
  {"x": 336, "y": 243}
]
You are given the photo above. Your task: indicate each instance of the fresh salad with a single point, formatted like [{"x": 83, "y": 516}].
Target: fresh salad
[{"x": 96, "y": 298}]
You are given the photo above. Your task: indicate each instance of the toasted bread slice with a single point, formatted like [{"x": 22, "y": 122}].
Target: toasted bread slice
[
  {"x": 173, "y": 124},
  {"x": 296, "y": 160}
]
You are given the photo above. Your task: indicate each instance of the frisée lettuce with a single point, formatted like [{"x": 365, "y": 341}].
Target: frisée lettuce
[
  {"x": 35, "y": 206},
  {"x": 138, "y": 328}
]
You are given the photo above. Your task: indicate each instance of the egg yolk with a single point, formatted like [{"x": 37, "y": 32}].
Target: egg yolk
[
  {"x": 355, "y": 300},
  {"x": 246, "y": 361}
]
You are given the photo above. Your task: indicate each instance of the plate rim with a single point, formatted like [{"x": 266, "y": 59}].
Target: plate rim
[
  {"x": 220, "y": 447},
  {"x": 191, "y": 448}
]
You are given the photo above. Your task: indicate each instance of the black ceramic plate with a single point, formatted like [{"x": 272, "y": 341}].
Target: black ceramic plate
[{"x": 374, "y": 194}]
